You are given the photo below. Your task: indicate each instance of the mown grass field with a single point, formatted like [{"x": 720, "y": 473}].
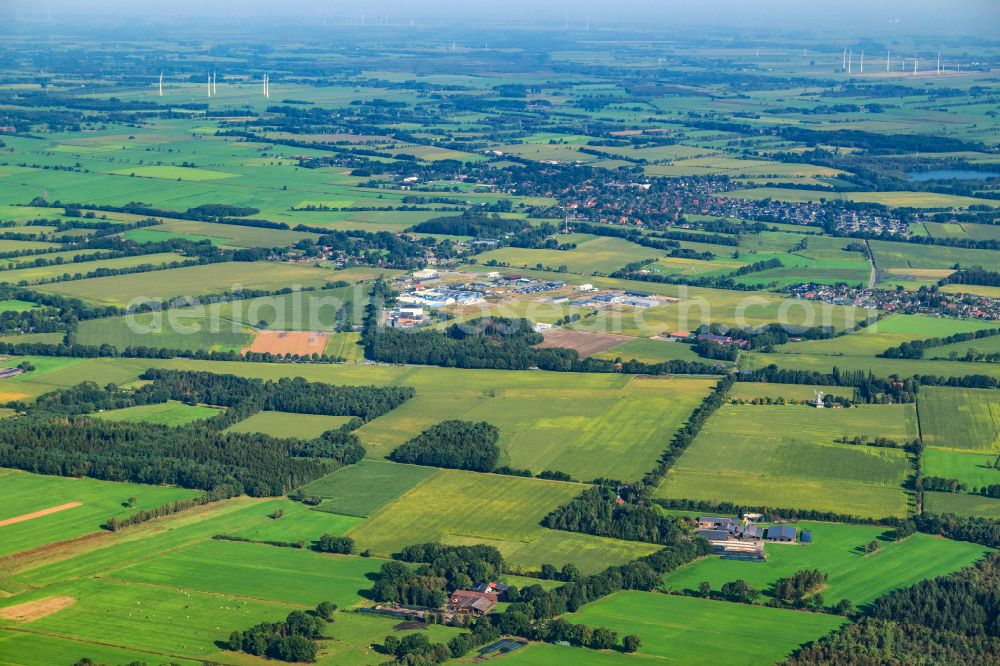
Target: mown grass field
[
  {"x": 785, "y": 456},
  {"x": 171, "y": 413},
  {"x": 962, "y": 505},
  {"x": 364, "y": 488},
  {"x": 279, "y": 424},
  {"x": 25, "y": 493},
  {"x": 962, "y": 419},
  {"x": 835, "y": 551},
  {"x": 686, "y": 630},
  {"x": 503, "y": 511}
]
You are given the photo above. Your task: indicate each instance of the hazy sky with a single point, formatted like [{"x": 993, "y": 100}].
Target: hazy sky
[{"x": 976, "y": 16}]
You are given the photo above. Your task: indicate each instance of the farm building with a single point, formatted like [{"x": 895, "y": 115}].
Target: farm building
[
  {"x": 470, "y": 601},
  {"x": 806, "y": 536},
  {"x": 780, "y": 533},
  {"x": 716, "y": 523},
  {"x": 497, "y": 589}
]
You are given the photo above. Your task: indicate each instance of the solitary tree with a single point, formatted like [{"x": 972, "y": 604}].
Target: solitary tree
[{"x": 631, "y": 643}]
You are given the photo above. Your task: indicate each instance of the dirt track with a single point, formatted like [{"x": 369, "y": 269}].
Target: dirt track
[{"x": 39, "y": 514}]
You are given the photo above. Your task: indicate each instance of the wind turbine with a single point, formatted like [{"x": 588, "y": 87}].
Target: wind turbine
[
  {"x": 939, "y": 63},
  {"x": 887, "y": 52},
  {"x": 208, "y": 83},
  {"x": 161, "y": 84},
  {"x": 850, "y": 61},
  {"x": 215, "y": 87},
  {"x": 862, "y": 69}
]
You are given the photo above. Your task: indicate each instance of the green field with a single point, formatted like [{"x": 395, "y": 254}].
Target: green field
[
  {"x": 190, "y": 281},
  {"x": 962, "y": 505},
  {"x": 888, "y": 332},
  {"x": 451, "y": 507},
  {"x": 785, "y": 456},
  {"x": 650, "y": 351},
  {"x": 593, "y": 254},
  {"x": 529, "y": 408},
  {"x": 888, "y": 254},
  {"x": 962, "y": 419},
  {"x": 79, "y": 269},
  {"x": 279, "y": 424},
  {"x": 835, "y": 551},
  {"x": 25, "y": 493},
  {"x": 12, "y": 305},
  {"x": 171, "y": 413},
  {"x": 752, "y": 390},
  {"x": 259, "y": 571},
  {"x": 892, "y": 199},
  {"x": 298, "y": 523},
  {"x": 686, "y": 630},
  {"x": 969, "y": 468},
  {"x": 363, "y": 488},
  {"x": 880, "y": 367}
]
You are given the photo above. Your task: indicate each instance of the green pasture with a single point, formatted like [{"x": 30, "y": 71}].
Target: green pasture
[
  {"x": 687, "y": 630},
  {"x": 297, "y": 522},
  {"x": 786, "y": 456},
  {"x": 880, "y": 367},
  {"x": 885, "y": 333},
  {"x": 219, "y": 234},
  {"x": 279, "y": 424},
  {"x": 451, "y": 507},
  {"x": 190, "y": 281},
  {"x": 650, "y": 350},
  {"x": 752, "y": 390},
  {"x": 600, "y": 254},
  {"x": 836, "y": 550},
  {"x": 902, "y": 199},
  {"x": 962, "y": 505},
  {"x": 365, "y": 487},
  {"x": 14, "y": 305},
  {"x": 977, "y": 470},
  {"x": 171, "y": 413},
  {"x": 958, "y": 418},
  {"x": 570, "y": 422},
  {"x": 287, "y": 575},
  {"x": 889, "y": 254},
  {"x": 77, "y": 270}
]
